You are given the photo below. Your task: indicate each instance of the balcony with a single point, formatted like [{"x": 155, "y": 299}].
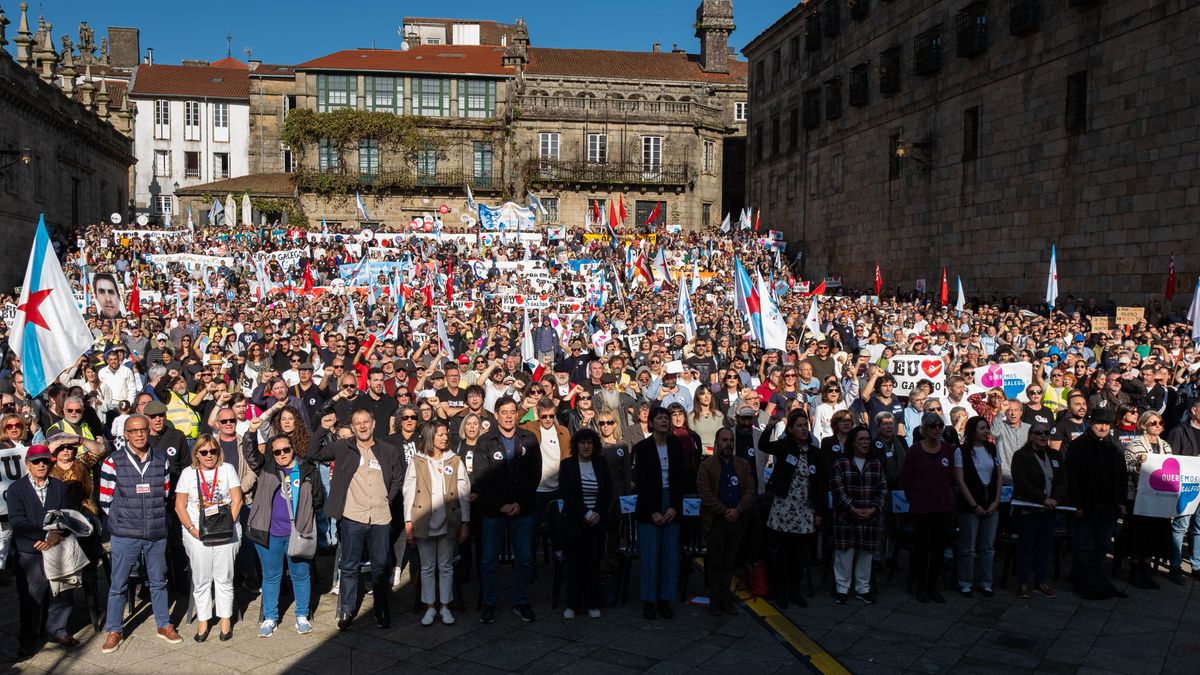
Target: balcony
[
  {"x": 395, "y": 180},
  {"x": 545, "y": 171},
  {"x": 617, "y": 110}
]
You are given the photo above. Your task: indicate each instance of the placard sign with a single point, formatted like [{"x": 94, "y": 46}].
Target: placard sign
[
  {"x": 1100, "y": 323},
  {"x": 12, "y": 468},
  {"x": 1168, "y": 486},
  {"x": 909, "y": 370},
  {"x": 1128, "y": 316}
]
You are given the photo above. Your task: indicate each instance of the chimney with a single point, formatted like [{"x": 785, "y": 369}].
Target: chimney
[
  {"x": 254, "y": 64},
  {"x": 124, "y": 47},
  {"x": 149, "y": 56},
  {"x": 714, "y": 23},
  {"x": 656, "y": 47},
  {"x": 676, "y": 49}
]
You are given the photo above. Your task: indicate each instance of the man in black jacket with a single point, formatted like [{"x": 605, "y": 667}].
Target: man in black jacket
[
  {"x": 1096, "y": 482},
  {"x": 507, "y": 471},
  {"x": 367, "y": 478},
  {"x": 28, "y": 501}
]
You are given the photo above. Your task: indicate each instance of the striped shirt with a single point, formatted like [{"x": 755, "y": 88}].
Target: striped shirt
[
  {"x": 591, "y": 488},
  {"x": 108, "y": 478}
]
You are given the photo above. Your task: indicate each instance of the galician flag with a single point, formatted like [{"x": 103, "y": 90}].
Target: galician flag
[
  {"x": 362, "y": 207},
  {"x": 813, "y": 321},
  {"x": 1193, "y": 314},
  {"x": 49, "y": 332},
  {"x": 686, "y": 317},
  {"x": 774, "y": 328},
  {"x": 443, "y": 338},
  {"x": 961, "y": 304},
  {"x": 1052, "y": 278}
]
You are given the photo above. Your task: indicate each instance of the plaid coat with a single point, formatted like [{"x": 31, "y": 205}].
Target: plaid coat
[{"x": 857, "y": 489}]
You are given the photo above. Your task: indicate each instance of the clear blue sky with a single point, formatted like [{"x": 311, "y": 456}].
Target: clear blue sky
[{"x": 293, "y": 32}]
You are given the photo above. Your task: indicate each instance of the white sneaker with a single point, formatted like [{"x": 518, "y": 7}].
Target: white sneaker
[
  {"x": 430, "y": 615},
  {"x": 593, "y": 614},
  {"x": 266, "y": 629},
  {"x": 447, "y": 617},
  {"x": 568, "y": 613},
  {"x": 303, "y": 626}
]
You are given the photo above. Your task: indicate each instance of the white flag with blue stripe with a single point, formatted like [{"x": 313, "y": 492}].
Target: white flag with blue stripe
[
  {"x": 362, "y": 207},
  {"x": 48, "y": 332}
]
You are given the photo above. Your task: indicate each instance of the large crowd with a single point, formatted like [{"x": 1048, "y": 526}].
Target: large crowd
[{"x": 258, "y": 397}]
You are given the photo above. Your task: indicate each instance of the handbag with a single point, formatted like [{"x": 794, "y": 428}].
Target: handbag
[
  {"x": 216, "y": 524},
  {"x": 299, "y": 545},
  {"x": 756, "y": 579}
]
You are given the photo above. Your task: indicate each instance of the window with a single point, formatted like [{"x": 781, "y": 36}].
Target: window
[
  {"x": 433, "y": 41},
  {"x": 551, "y": 206},
  {"x": 710, "y": 150},
  {"x": 1025, "y": 16},
  {"x": 1077, "y": 101},
  {"x": 162, "y": 119},
  {"x": 220, "y": 165},
  {"x": 548, "y": 145},
  {"x": 832, "y": 15},
  {"x": 220, "y": 115},
  {"x": 833, "y": 98},
  {"x": 191, "y": 120},
  {"x": 794, "y": 129},
  {"x": 893, "y": 157},
  {"x": 431, "y": 97},
  {"x": 384, "y": 94},
  {"x": 776, "y": 141},
  {"x": 759, "y": 78},
  {"x": 327, "y": 156},
  {"x": 812, "y": 32},
  {"x": 794, "y": 52},
  {"x": 758, "y": 143},
  {"x": 368, "y": 158},
  {"x": 191, "y": 165},
  {"x": 286, "y": 161},
  {"x": 162, "y": 205},
  {"x": 859, "y": 86},
  {"x": 336, "y": 91},
  {"x": 970, "y": 133},
  {"x": 481, "y": 163},
  {"x": 972, "y": 30},
  {"x": 597, "y": 148},
  {"x": 859, "y": 9},
  {"x": 642, "y": 210},
  {"x": 927, "y": 51},
  {"x": 477, "y": 98},
  {"x": 651, "y": 156},
  {"x": 162, "y": 163},
  {"x": 706, "y": 215},
  {"x": 739, "y": 111},
  {"x": 427, "y": 160},
  {"x": 889, "y": 71},
  {"x": 811, "y": 111},
  {"x": 776, "y": 63}
]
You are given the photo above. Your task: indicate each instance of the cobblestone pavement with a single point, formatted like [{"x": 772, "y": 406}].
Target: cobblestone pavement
[{"x": 1151, "y": 632}]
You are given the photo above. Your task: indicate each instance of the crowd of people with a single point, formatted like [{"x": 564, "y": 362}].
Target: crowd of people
[{"x": 441, "y": 404}]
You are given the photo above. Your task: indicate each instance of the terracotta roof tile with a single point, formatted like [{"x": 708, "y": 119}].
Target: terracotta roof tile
[
  {"x": 442, "y": 59},
  {"x": 256, "y": 184},
  {"x": 116, "y": 92},
  {"x": 629, "y": 65},
  {"x": 229, "y": 62},
  {"x": 165, "y": 80},
  {"x": 273, "y": 70}
]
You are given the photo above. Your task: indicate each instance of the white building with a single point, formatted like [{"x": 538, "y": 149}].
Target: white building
[{"x": 193, "y": 127}]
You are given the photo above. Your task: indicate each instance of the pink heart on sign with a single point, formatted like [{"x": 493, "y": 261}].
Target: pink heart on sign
[
  {"x": 994, "y": 377},
  {"x": 1166, "y": 478}
]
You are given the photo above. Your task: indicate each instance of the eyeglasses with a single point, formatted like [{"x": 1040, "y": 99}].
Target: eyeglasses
[
  {"x": 281, "y": 451},
  {"x": 607, "y": 423},
  {"x": 1039, "y": 433},
  {"x": 72, "y": 410},
  {"x": 1035, "y": 392},
  {"x": 231, "y": 420},
  {"x": 14, "y": 425},
  {"x": 40, "y": 461},
  {"x": 348, "y": 386},
  {"x": 583, "y": 398},
  {"x": 936, "y": 425},
  {"x": 550, "y": 416},
  {"x": 160, "y": 415},
  {"x": 206, "y": 453},
  {"x": 789, "y": 375},
  {"x": 1154, "y": 423},
  {"x": 408, "y": 418}
]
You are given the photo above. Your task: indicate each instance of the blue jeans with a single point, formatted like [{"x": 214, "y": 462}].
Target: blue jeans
[
  {"x": 1179, "y": 530},
  {"x": 125, "y": 555},
  {"x": 376, "y": 539},
  {"x": 326, "y": 527},
  {"x": 1093, "y": 532},
  {"x": 272, "y": 566},
  {"x": 520, "y": 532}
]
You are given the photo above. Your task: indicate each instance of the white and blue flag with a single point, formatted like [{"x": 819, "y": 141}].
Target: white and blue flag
[{"x": 362, "y": 207}]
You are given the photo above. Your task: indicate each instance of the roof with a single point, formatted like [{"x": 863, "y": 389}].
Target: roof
[
  {"x": 258, "y": 184},
  {"x": 229, "y": 62},
  {"x": 782, "y": 20},
  {"x": 165, "y": 80},
  {"x": 442, "y": 59},
  {"x": 273, "y": 70},
  {"x": 116, "y": 92},
  {"x": 629, "y": 65}
]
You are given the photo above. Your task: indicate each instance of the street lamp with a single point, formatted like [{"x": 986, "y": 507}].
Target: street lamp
[
  {"x": 904, "y": 149},
  {"x": 21, "y": 156}
]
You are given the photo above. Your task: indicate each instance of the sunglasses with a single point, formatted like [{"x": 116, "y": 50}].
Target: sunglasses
[
  {"x": 1039, "y": 433},
  {"x": 281, "y": 451},
  {"x": 1155, "y": 423},
  {"x": 227, "y": 421},
  {"x": 154, "y": 417},
  {"x": 550, "y": 416},
  {"x": 206, "y": 453},
  {"x": 40, "y": 461},
  {"x": 408, "y": 418},
  {"x": 73, "y": 410},
  {"x": 13, "y": 425},
  {"x": 583, "y": 398},
  {"x": 1035, "y": 392},
  {"x": 348, "y": 386},
  {"x": 608, "y": 423},
  {"x": 936, "y": 425}
]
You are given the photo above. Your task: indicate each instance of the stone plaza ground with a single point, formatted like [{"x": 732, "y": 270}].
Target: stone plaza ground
[{"x": 1150, "y": 632}]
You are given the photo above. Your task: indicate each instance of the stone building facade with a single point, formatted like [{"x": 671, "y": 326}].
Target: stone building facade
[
  {"x": 973, "y": 135},
  {"x": 60, "y": 151}
]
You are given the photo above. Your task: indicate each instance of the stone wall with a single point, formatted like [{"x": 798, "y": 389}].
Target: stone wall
[{"x": 1118, "y": 194}]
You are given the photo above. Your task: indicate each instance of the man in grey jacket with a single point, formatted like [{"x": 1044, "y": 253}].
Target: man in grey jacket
[{"x": 1011, "y": 433}]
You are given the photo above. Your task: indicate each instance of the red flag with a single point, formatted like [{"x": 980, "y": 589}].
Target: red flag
[
  {"x": 757, "y": 215},
  {"x": 597, "y": 217},
  {"x": 642, "y": 268},
  {"x": 449, "y": 283},
  {"x": 945, "y": 289},
  {"x": 654, "y": 214},
  {"x": 820, "y": 289},
  {"x": 878, "y": 280},
  {"x": 1170, "y": 293},
  {"x": 135, "y": 298},
  {"x": 621, "y": 197},
  {"x": 427, "y": 291},
  {"x": 315, "y": 337},
  {"x": 308, "y": 278},
  {"x": 612, "y": 216}
]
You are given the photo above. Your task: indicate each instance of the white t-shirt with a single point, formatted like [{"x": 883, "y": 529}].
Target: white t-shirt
[
  {"x": 665, "y": 464},
  {"x": 189, "y": 484},
  {"x": 551, "y": 457},
  {"x": 985, "y": 466}
]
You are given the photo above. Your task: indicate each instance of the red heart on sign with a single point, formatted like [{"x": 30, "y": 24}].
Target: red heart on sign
[
  {"x": 932, "y": 367},
  {"x": 575, "y": 306},
  {"x": 544, "y": 298},
  {"x": 519, "y": 299},
  {"x": 469, "y": 305}
]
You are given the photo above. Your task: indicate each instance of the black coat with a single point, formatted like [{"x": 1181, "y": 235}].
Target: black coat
[
  {"x": 324, "y": 447},
  {"x": 1096, "y": 472},
  {"x": 809, "y": 461},
  {"x": 497, "y": 482},
  {"x": 27, "y": 514},
  {"x": 570, "y": 486},
  {"x": 648, "y": 478}
]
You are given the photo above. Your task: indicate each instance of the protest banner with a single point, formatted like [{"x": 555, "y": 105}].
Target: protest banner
[
  {"x": 1167, "y": 486},
  {"x": 1011, "y": 377},
  {"x": 909, "y": 370},
  {"x": 189, "y": 261},
  {"x": 1129, "y": 316},
  {"x": 10, "y": 314},
  {"x": 12, "y": 468},
  {"x": 1100, "y": 323},
  {"x": 286, "y": 259}
]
